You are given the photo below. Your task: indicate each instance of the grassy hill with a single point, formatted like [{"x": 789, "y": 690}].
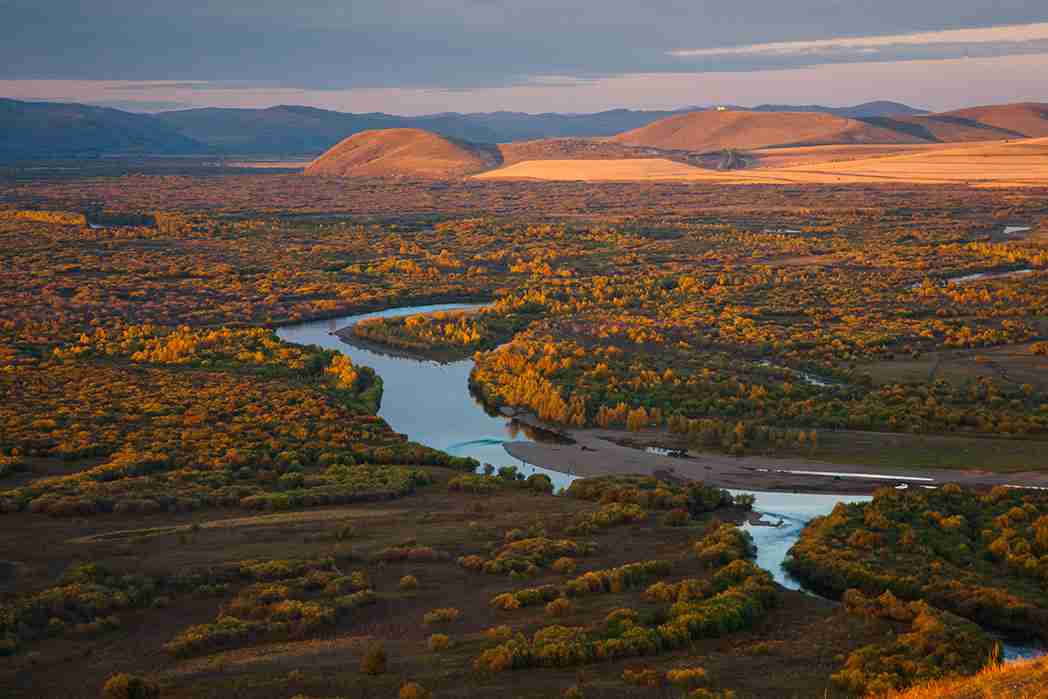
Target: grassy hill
[
  {"x": 404, "y": 152},
  {"x": 720, "y": 130}
]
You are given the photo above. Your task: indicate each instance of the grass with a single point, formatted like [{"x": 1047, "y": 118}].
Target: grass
[
  {"x": 914, "y": 451},
  {"x": 1020, "y": 680},
  {"x": 1007, "y": 365},
  {"x": 806, "y": 633},
  {"x": 993, "y": 164}
]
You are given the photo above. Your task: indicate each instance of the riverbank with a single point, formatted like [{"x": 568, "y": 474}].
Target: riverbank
[{"x": 597, "y": 452}]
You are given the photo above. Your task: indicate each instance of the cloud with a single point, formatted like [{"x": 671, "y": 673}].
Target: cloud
[
  {"x": 938, "y": 85},
  {"x": 1016, "y": 39}
]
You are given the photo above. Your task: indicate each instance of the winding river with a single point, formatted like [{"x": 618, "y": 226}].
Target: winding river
[
  {"x": 430, "y": 402},
  {"x": 427, "y": 400}
]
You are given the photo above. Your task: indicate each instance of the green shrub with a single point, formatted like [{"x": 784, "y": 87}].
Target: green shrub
[{"x": 125, "y": 686}]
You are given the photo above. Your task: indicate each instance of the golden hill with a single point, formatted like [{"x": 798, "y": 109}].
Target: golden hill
[
  {"x": 714, "y": 130},
  {"x": 404, "y": 153},
  {"x": 1029, "y": 119},
  {"x": 1019, "y": 680}
]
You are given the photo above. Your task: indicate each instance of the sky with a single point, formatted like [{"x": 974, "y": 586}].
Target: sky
[{"x": 428, "y": 56}]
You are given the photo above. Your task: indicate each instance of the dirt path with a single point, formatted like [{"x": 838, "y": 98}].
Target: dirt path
[{"x": 594, "y": 454}]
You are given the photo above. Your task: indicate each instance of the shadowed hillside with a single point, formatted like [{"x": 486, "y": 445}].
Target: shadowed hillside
[
  {"x": 47, "y": 129},
  {"x": 943, "y": 128},
  {"x": 1028, "y": 118},
  {"x": 707, "y": 131},
  {"x": 404, "y": 152},
  {"x": 294, "y": 129}
]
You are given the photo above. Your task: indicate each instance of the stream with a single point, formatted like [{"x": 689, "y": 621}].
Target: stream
[{"x": 429, "y": 401}]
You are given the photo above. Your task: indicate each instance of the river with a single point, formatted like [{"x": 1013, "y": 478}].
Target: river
[
  {"x": 426, "y": 400},
  {"x": 430, "y": 402}
]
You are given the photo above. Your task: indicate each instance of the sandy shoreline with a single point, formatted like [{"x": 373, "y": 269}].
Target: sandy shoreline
[{"x": 594, "y": 454}]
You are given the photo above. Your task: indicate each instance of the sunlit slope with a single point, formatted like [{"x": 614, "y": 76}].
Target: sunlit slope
[
  {"x": 720, "y": 130},
  {"x": 1019, "y": 163},
  {"x": 1027, "y": 118},
  {"x": 1021, "y": 680},
  {"x": 1001, "y": 163},
  {"x": 622, "y": 170},
  {"x": 405, "y": 153}
]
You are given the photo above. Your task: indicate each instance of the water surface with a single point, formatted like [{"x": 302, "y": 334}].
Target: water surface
[{"x": 426, "y": 400}]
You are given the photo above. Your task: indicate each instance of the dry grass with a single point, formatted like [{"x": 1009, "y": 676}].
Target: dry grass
[
  {"x": 622, "y": 170},
  {"x": 709, "y": 131},
  {"x": 777, "y": 158},
  {"x": 996, "y": 164},
  {"x": 403, "y": 152},
  {"x": 1020, "y": 680}
]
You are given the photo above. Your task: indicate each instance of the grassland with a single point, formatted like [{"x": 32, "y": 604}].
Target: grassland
[
  {"x": 223, "y": 514},
  {"x": 997, "y": 164}
]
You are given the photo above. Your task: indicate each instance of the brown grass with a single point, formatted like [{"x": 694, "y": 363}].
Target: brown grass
[
  {"x": 403, "y": 152},
  {"x": 996, "y": 164},
  {"x": 706, "y": 131},
  {"x": 623, "y": 170},
  {"x": 1028, "y": 118},
  {"x": 1020, "y": 680}
]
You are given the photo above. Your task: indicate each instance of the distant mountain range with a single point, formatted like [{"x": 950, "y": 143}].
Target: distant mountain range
[{"x": 46, "y": 129}]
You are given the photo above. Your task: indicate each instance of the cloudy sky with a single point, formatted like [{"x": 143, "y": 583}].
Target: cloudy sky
[{"x": 423, "y": 56}]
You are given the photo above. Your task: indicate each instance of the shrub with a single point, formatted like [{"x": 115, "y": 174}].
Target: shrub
[
  {"x": 725, "y": 543},
  {"x": 565, "y": 565},
  {"x": 700, "y": 611},
  {"x": 559, "y": 607},
  {"x": 615, "y": 579},
  {"x": 413, "y": 690},
  {"x": 686, "y": 676},
  {"x": 678, "y": 517},
  {"x": 499, "y": 633},
  {"x": 408, "y": 582},
  {"x": 408, "y": 553},
  {"x": 473, "y": 483},
  {"x": 642, "y": 677},
  {"x": 438, "y": 642},
  {"x": 507, "y": 602},
  {"x": 444, "y": 615},
  {"x": 125, "y": 686},
  {"x": 374, "y": 660}
]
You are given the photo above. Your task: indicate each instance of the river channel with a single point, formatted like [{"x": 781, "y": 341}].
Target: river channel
[{"x": 429, "y": 401}]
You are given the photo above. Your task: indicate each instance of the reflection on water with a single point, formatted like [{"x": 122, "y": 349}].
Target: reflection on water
[{"x": 426, "y": 400}]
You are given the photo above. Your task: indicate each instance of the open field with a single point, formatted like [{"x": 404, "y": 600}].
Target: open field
[
  {"x": 609, "y": 170},
  {"x": 998, "y": 164}
]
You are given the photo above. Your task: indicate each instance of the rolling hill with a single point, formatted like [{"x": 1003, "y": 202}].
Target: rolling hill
[
  {"x": 879, "y": 108},
  {"x": 1029, "y": 119},
  {"x": 721, "y": 130},
  {"x": 404, "y": 153},
  {"x": 50, "y": 129},
  {"x": 287, "y": 129}
]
